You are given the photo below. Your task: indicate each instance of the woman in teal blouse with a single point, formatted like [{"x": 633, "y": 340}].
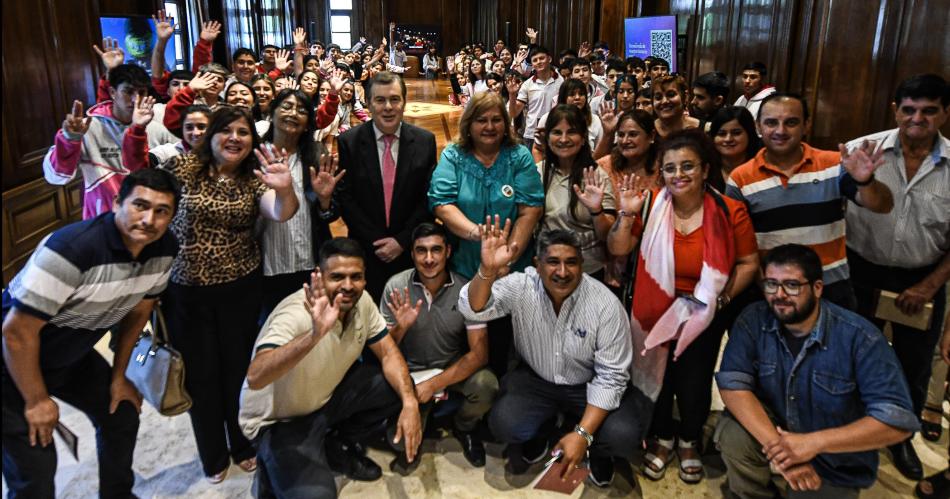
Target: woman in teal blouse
[{"x": 486, "y": 173}]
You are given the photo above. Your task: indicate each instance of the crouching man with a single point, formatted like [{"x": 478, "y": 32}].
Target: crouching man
[
  {"x": 574, "y": 339},
  {"x": 309, "y": 401},
  {"x": 812, "y": 389}
]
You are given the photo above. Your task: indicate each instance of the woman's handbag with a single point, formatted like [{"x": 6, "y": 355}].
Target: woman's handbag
[
  {"x": 630, "y": 272},
  {"x": 157, "y": 370}
]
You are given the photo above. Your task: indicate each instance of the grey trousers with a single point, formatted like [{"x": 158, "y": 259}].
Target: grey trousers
[
  {"x": 747, "y": 469},
  {"x": 479, "y": 391}
]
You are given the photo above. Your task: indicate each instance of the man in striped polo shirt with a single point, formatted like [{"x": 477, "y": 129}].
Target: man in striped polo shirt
[
  {"x": 83, "y": 280},
  {"x": 795, "y": 193}
]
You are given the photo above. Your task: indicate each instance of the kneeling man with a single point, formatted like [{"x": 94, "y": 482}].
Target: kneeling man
[
  {"x": 812, "y": 389},
  {"x": 574, "y": 338},
  {"x": 309, "y": 399}
]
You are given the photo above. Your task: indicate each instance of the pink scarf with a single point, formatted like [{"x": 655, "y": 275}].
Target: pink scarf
[{"x": 658, "y": 316}]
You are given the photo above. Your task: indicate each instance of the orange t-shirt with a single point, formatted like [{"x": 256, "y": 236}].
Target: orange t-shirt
[{"x": 688, "y": 249}]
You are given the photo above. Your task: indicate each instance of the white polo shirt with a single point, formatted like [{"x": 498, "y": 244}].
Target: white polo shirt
[{"x": 539, "y": 97}]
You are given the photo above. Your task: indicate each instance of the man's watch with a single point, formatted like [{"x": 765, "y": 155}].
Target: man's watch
[{"x": 584, "y": 433}]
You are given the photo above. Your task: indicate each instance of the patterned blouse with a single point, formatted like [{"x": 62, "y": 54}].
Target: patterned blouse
[{"x": 214, "y": 225}]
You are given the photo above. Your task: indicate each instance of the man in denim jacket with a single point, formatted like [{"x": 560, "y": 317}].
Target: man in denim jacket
[{"x": 812, "y": 389}]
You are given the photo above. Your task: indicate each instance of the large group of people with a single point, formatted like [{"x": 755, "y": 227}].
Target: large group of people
[{"x": 556, "y": 280}]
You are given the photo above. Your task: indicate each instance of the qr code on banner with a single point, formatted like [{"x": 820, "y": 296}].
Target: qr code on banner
[{"x": 661, "y": 43}]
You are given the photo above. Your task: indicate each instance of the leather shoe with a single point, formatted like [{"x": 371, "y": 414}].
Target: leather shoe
[
  {"x": 472, "y": 447},
  {"x": 349, "y": 459},
  {"x": 906, "y": 460}
]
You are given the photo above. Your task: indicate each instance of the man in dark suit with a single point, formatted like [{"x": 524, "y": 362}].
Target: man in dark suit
[{"x": 382, "y": 197}]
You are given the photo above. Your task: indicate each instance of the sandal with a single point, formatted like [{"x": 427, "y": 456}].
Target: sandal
[
  {"x": 218, "y": 477},
  {"x": 939, "y": 485},
  {"x": 249, "y": 465},
  {"x": 691, "y": 469},
  {"x": 931, "y": 430},
  {"x": 654, "y": 467}
]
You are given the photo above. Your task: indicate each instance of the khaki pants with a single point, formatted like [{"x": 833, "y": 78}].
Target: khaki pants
[{"x": 747, "y": 468}]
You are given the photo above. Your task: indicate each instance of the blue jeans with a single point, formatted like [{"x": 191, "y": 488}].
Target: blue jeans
[
  {"x": 527, "y": 402},
  {"x": 291, "y": 460}
]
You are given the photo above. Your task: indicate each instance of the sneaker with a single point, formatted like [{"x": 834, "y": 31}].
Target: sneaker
[
  {"x": 601, "y": 471},
  {"x": 472, "y": 447},
  {"x": 534, "y": 451},
  {"x": 349, "y": 459}
]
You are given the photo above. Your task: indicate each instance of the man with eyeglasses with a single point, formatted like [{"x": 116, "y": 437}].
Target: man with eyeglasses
[{"x": 812, "y": 390}]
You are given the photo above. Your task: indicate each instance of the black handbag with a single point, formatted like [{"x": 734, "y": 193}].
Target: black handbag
[{"x": 157, "y": 370}]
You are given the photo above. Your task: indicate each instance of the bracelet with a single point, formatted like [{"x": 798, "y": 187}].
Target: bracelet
[
  {"x": 482, "y": 276},
  {"x": 584, "y": 433},
  {"x": 866, "y": 183},
  {"x": 596, "y": 214},
  {"x": 624, "y": 213}
]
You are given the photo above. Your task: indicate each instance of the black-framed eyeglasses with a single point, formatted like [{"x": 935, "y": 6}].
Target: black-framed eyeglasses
[{"x": 792, "y": 288}]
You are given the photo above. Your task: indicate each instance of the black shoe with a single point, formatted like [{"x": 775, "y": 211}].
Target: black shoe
[
  {"x": 906, "y": 460},
  {"x": 601, "y": 471},
  {"x": 534, "y": 451},
  {"x": 472, "y": 447},
  {"x": 402, "y": 466},
  {"x": 349, "y": 459}
]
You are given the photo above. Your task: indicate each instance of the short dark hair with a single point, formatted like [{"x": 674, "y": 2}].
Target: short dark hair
[
  {"x": 132, "y": 74},
  {"x": 578, "y": 61},
  {"x": 426, "y": 229},
  {"x": 784, "y": 95},
  {"x": 746, "y": 121},
  {"x": 340, "y": 246},
  {"x": 601, "y": 45},
  {"x": 539, "y": 49},
  {"x": 635, "y": 62},
  {"x": 923, "y": 86},
  {"x": 386, "y": 78},
  {"x": 714, "y": 82},
  {"x": 334, "y": 46},
  {"x": 616, "y": 65},
  {"x": 151, "y": 178},
  {"x": 803, "y": 257},
  {"x": 551, "y": 237},
  {"x": 196, "y": 108},
  {"x": 756, "y": 66},
  {"x": 269, "y": 46},
  {"x": 659, "y": 61},
  {"x": 567, "y": 53},
  {"x": 181, "y": 74},
  {"x": 243, "y": 51}
]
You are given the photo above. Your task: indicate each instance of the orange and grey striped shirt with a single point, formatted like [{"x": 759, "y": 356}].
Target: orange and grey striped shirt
[{"x": 804, "y": 207}]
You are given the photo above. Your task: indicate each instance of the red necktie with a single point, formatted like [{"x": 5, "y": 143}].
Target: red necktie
[{"x": 389, "y": 173}]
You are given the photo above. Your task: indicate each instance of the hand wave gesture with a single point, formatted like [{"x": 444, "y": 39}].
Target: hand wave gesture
[
  {"x": 632, "y": 194},
  {"x": 210, "y": 30},
  {"x": 591, "y": 194},
  {"x": 111, "y": 54},
  {"x": 164, "y": 28},
  {"x": 142, "y": 112},
  {"x": 323, "y": 313},
  {"x": 325, "y": 179},
  {"x": 496, "y": 252},
  {"x": 274, "y": 172},
  {"x": 862, "y": 161},
  {"x": 401, "y": 306}
]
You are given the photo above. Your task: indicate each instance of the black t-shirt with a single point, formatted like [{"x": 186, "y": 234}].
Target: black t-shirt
[{"x": 795, "y": 343}]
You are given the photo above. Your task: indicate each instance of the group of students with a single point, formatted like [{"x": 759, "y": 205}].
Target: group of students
[{"x": 546, "y": 281}]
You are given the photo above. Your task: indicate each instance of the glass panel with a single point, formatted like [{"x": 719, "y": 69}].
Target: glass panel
[
  {"x": 339, "y": 23},
  {"x": 341, "y": 39},
  {"x": 341, "y": 4}
]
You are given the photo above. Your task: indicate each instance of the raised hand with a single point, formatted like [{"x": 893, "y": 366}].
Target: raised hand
[
  {"x": 300, "y": 37},
  {"x": 274, "y": 172},
  {"x": 862, "y": 161},
  {"x": 496, "y": 252},
  {"x": 325, "y": 179},
  {"x": 632, "y": 194},
  {"x": 383, "y": 43},
  {"x": 338, "y": 78},
  {"x": 142, "y": 111},
  {"x": 609, "y": 117},
  {"x": 164, "y": 28},
  {"x": 323, "y": 313},
  {"x": 326, "y": 65},
  {"x": 111, "y": 54},
  {"x": 203, "y": 82},
  {"x": 76, "y": 123},
  {"x": 401, "y": 306},
  {"x": 210, "y": 30},
  {"x": 584, "y": 49},
  {"x": 532, "y": 34},
  {"x": 282, "y": 60},
  {"x": 591, "y": 195},
  {"x": 513, "y": 86}
]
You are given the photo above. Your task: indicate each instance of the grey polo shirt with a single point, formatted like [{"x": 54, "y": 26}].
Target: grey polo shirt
[{"x": 440, "y": 334}]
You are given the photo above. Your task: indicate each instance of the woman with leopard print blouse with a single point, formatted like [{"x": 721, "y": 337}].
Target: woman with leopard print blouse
[{"x": 214, "y": 294}]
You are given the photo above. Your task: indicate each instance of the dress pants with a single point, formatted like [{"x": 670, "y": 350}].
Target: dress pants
[
  {"x": 914, "y": 348},
  {"x": 30, "y": 470},
  {"x": 527, "y": 402},
  {"x": 214, "y": 327},
  {"x": 291, "y": 458}
]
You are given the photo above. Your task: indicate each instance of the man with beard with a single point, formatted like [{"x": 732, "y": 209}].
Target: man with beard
[
  {"x": 795, "y": 192},
  {"x": 438, "y": 337},
  {"x": 709, "y": 95},
  {"x": 309, "y": 401},
  {"x": 574, "y": 339},
  {"x": 812, "y": 390}
]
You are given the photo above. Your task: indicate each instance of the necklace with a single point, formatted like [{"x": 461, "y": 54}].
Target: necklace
[{"x": 687, "y": 224}]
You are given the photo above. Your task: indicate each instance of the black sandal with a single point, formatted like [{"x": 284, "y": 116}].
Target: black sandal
[
  {"x": 939, "y": 485},
  {"x": 929, "y": 430}
]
